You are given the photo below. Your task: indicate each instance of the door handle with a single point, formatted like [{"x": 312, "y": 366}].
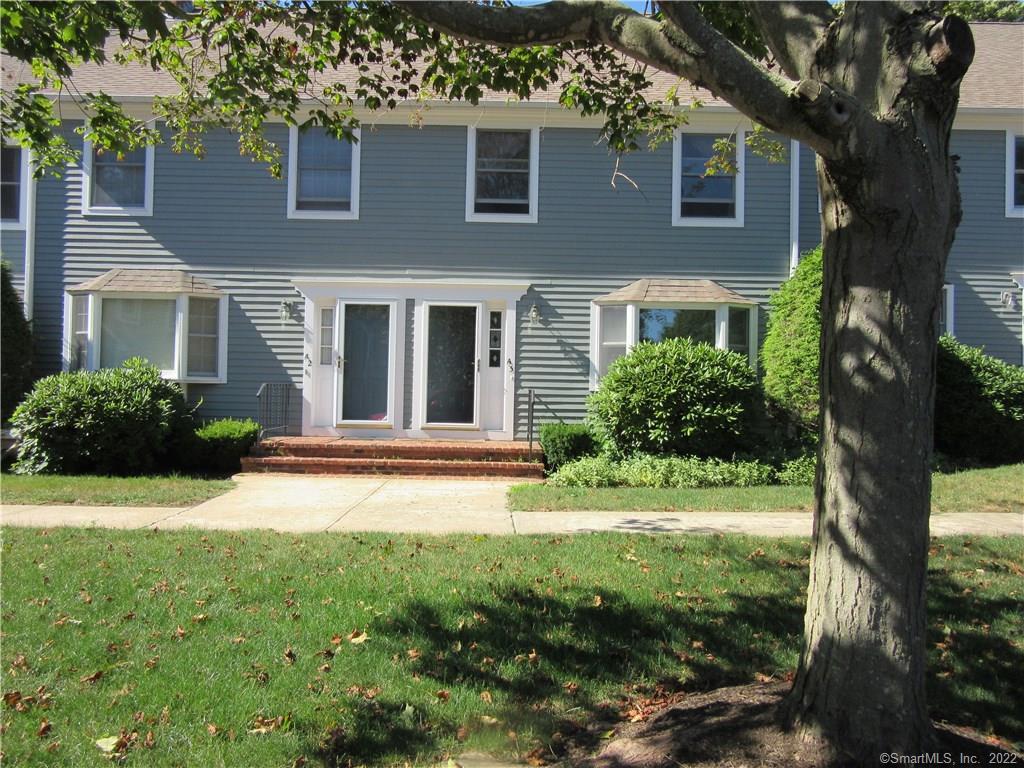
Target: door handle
[{"x": 341, "y": 361}]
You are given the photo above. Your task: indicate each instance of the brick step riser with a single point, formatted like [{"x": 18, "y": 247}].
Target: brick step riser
[
  {"x": 408, "y": 467},
  {"x": 425, "y": 454}
]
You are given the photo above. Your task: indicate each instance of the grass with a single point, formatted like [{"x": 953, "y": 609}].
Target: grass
[
  {"x": 1000, "y": 489},
  {"x": 392, "y": 649},
  {"x": 89, "y": 490}
]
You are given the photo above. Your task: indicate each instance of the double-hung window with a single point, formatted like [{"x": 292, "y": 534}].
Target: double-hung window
[
  {"x": 1014, "y": 175},
  {"x": 501, "y": 175},
  {"x": 117, "y": 184},
  {"x": 323, "y": 175},
  {"x": 13, "y": 184},
  {"x": 183, "y": 333},
  {"x": 701, "y": 198}
]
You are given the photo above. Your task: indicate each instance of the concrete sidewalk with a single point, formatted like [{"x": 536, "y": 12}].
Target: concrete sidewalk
[{"x": 298, "y": 503}]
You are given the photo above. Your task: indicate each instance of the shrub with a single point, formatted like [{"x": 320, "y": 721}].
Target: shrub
[
  {"x": 118, "y": 421},
  {"x": 692, "y": 472},
  {"x": 790, "y": 353},
  {"x": 15, "y": 346},
  {"x": 675, "y": 397},
  {"x": 220, "y": 445},
  {"x": 589, "y": 472},
  {"x": 979, "y": 405},
  {"x": 563, "y": 443},
  {"x": 798, "y": 471}
]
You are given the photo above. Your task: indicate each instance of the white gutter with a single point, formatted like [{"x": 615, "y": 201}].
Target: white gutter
[
  {"x": 794, "y": 205},
  {"x": 30, "y": 240}
]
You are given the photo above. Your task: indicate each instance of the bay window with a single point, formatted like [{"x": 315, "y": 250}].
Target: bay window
[
  {"x": 178, "y": 325},
  {"x": 655, "y": 310}
]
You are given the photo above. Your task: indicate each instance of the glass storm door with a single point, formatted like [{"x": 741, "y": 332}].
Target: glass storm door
[
  {"x": 453, "y": 364},
  {"x": 364, "y": 364}
]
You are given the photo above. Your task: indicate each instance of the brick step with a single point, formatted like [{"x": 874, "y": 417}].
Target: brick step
[
  {"x": 332, "y": 465},
  {"x": 397, "y": 449}
]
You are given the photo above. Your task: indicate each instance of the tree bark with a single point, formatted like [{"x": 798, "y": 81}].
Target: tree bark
[{"x": 890, "y": 211}]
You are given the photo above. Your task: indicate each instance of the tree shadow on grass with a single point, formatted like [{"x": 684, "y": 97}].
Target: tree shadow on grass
[{"x": 568, "y": 662}]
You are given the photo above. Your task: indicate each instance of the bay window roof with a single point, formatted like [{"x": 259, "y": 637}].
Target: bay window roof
[
  {"x": 174, "y": 281},
  {"x": 661, "y": 290}
]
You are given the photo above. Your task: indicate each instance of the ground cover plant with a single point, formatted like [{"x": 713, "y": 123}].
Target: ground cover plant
[
  {"x": 994, "y": 489},
  {"x": 262, "y": 649},
  {"x": 95, "y": 490}
]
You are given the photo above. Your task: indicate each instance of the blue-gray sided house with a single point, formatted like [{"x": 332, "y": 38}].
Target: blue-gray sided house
[{"x": 425, "y": 280}]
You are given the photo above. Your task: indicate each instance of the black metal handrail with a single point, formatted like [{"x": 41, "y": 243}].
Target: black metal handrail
[{"x": 273, "y": 405}]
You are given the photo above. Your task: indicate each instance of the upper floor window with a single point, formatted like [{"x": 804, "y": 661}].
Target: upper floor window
[
  {"x": 501, "y": 175},
  {"x": 323, "y": 175},
  {"x": 117, "y": 184},
  {"x": 700, "y": 199},
  {"x": 13, "y": 172},
  {"x": 1014, "y": 175}
]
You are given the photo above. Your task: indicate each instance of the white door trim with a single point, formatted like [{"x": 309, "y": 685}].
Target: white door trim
[{"x": 393, "y": 420}]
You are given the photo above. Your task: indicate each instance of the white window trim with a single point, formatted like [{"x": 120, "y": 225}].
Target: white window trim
[
  {"x": 949, "y": 305},
  {"x": 677, "y": 182},
  {"x": 88, "y": 209},
  {"x": 633, "y": 327},
  {"x": 352, "y": 214},
  {"x": 18, "y": 224},
  {"x": 1012, "y": 211},
  {"x": 179, "y": 372},
  {"x": 518, "y": 218}
]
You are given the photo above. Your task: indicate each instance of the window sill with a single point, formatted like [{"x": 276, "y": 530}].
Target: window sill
[
  {"x": 680, "y": 221},
  {"x": 324, "y": 215},
  {"x": 502, "y": 218},
  {"x": 12, "y": 225},
  {"x": 137, "y": 211},
  {"x": 1015, "y": 213}
]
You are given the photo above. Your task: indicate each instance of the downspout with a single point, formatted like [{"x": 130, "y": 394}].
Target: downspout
[
  {"x": 794, "y": 205},
  {"x": 30, "y": 240}
]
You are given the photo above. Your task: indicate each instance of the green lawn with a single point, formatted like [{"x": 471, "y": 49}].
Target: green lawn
[
  {"x": 168, "y": 491},
  {"x": 384, "y": 649},
  {"x": 978, "y": 490}
]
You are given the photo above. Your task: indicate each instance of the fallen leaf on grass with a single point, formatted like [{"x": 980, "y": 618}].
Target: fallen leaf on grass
[
  {"x": 212, "y": 729},
  {"x": 150, "y": 663},
  {"x": 44, "y": 728},
  {"x": 261, "y": 724},
  {"x": 357, "y": 637},
  {"x": 289, "y": 655},
  {"x": 485, "y": 696},
  {"x": 53, "y": 746},
  {"x": 92, "y": 678},
  {"x": 488, "y": 720},
  {"x": 150, "y": 741},
  {"x": 180, "y": 632},
  {"x": 443, "y": 695},
  {"x": 199, "y": 618},
  {"x": 763, "y": 678}
]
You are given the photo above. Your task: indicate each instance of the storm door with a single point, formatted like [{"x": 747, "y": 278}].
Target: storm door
[
  {"x": 453, "y": 365},
  {"x": 365, "y": 363}
]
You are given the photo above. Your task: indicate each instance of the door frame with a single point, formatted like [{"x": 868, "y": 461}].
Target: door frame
[
  {"x": 420, "y": 383},
  {"x": 339, "y": 354}
]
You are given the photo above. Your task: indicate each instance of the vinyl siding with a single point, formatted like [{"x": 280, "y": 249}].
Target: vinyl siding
[
  {"x": 224, "y": 219},
  {"x": 988, "y": 246}
]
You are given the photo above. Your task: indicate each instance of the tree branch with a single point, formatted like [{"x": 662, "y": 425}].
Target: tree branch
[
  {"x": 793, "y": 31},
  {"x": 684, "y": 44}
]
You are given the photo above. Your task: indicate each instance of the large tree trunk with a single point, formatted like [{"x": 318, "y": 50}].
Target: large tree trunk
[{"x": 889, "y": 216}]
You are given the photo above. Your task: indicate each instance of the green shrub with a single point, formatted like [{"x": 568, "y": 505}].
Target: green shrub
[
  {"x": 118, "y": 421},
  {"x": 15, "y": 346},
  {"x": 692, "y": 472},
  {"x": 979, "y": 405},
  {"x": 798, "y": 471},
  {"x": 221, "y": 444},
  {"x": 589, "y": 472},
  {"x": 790, "y": 353},
  {"x": 676, "y": 397},
  {"x": 563, "y": 443}
]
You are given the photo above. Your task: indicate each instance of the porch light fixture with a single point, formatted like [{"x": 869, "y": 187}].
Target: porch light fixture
[
  {"x": 534, "y": 316},
  {"x": 285, "y": 310}
]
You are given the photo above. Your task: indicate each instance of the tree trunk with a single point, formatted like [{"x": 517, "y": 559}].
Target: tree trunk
[{"x": 888, "y": 224}]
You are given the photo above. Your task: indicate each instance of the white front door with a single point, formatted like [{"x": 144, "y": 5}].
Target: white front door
[
  {"x": 365, "y": 365},
  {"x": 454, "y": 354}
]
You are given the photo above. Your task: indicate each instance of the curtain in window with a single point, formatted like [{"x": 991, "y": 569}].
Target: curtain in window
[
  {"x": 502, "y": 172},
  {"x": 119, "y": 182},
  {"x": 137, "y": 328},
  {"x": 324, "y": 172}
]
